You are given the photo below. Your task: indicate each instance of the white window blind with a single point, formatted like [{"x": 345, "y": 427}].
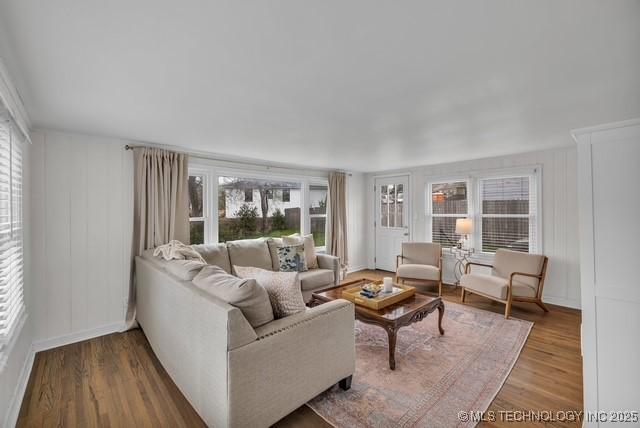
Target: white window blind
[
  {"x": 12, "y": 308},
  {"x": 508, "y": 214},
  {"x": 449, "y": 202}
]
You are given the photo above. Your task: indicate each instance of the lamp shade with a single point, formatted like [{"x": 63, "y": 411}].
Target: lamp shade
[{"x": 464, "y": 226}]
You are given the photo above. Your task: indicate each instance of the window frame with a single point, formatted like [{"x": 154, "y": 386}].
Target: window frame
[
  {"x": 474, "y": 205},
  {"x": 309, "y": 216},
  {"x": 214, "y": 171}
]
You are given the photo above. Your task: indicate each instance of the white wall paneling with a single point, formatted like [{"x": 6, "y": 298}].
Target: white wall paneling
[
  {"x": 609, "y": 234},
  {"x": 82, "y": 189},
  {"x": 558, "y": 210},
  {"x": 357, "y": 212}
]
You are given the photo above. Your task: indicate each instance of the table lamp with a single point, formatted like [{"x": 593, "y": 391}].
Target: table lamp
[{"x": 464, "y": 227}]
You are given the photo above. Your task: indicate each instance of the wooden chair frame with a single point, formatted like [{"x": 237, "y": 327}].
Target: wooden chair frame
[
  {"x": 510, "y": 297},
  {"x": 424, "y": 281}
]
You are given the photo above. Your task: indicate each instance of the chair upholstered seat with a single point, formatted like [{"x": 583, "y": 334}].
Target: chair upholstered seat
[
  {"x": 415, "y": 271},
  {"x": 495, "y": 286}
]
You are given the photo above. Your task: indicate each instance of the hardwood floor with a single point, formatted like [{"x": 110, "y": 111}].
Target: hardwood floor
[{"x": 116, "y": 380}]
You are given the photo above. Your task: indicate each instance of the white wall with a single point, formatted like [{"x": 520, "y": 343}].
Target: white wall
[
  {"x": 18, "y": 365},
  {"x": 357, "y": 211},
  {"x": 559, "y": 213},
  {"x": 82, "y": 220}
]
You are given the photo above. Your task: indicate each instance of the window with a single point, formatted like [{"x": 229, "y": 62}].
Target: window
[
  {"x": 12, "y": 309},
  {"x": 286, "y": 195},
  {"x": 196, "y": 209},
  {"x": 508, "y": 214},
  {"x": 318, "y": 212},
  {"x": 266, "y": 216},
  {"x": 248, "y": 195},
  {"x": 503, "y": 206},
  {"x": 449, "y": 201},
  {"x": 392, "y": 205}
]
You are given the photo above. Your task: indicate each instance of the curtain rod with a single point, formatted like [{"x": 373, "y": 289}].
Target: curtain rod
[{"x": 129, "y": 147}]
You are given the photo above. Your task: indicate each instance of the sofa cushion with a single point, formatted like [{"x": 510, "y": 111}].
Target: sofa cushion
[
  {"x": 250, "y": 252},
  {"x": 283, "y": 289},
  {"x": 426, "y": 272},
  {"x": 245, "y": 294},
  {"x": 316, "y": 278},
  {"x": 274, "y": 244},
  {"x": 309, "y": 247},
  {"x": 507, "y": 261},
  {"x": 215, "y": 254},
  {"x": 495, "y": 286},
  {"x": 186, "y": 270}
]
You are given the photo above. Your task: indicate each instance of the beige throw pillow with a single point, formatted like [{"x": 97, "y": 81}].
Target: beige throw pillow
[
  {"x": 309, "y": 247},
  {"x": 244, "y": 294},
  {"x": 283, "y": 289}
]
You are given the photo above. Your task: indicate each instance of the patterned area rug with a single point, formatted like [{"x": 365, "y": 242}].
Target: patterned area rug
[{"x": 435, "y": 377}]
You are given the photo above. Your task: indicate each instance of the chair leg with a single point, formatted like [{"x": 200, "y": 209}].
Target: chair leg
[
  {"x": 440, "y": 288},
  {"x": 462, "y": 295},
  {"x": 542, "y": 305},
  {"x": 507, "y": 309}
]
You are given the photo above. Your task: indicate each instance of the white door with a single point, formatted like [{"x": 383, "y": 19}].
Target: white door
[{"x": 391, "y": 219}]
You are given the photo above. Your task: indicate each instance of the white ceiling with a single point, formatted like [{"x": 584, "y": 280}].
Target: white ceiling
[{"x": 354, "y": 84}]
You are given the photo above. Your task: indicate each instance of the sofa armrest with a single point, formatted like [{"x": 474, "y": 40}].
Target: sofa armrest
[
  {"x": 293, "y": 360},
  {"x": 325, "y": 261},
  {"x": 314, "y": 314}
]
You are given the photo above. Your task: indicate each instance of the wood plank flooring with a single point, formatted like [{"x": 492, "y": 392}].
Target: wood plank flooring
[{"x": 117, "y": 381}]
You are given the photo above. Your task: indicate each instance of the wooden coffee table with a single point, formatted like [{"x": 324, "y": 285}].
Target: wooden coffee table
[{"x": 391, "y": 318}]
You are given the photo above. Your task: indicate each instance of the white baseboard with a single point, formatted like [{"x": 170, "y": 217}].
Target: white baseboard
[
  {"x": 356, "y": 269},
  {"x": 560, "y": 301},
  {"x": 79, "y": 336},
  {"x": 16, "y": 400}
]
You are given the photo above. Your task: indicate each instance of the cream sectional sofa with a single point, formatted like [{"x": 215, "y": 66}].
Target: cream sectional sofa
[{"x": 232, "y": 374}]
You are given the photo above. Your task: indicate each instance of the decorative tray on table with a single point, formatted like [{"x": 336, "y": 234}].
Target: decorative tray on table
[{"x": 358, "y": 295}]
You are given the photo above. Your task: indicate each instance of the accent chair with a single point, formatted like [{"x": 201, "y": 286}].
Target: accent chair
[
  {"x": 514, "y": 277},
  {"x": 422, "y": 262}
]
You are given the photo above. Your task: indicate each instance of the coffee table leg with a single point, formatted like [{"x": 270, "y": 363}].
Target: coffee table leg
[
  {"x": 391, "y": 332},
  {"x": 440, "y": 316}
]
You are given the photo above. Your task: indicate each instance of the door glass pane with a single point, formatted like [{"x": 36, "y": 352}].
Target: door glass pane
[
  {"x": 384, "y": 207},
  {"x": 196, "y": 184},
  {"x": 392, "y": 205},
  {"x": 399, "y": 205}
]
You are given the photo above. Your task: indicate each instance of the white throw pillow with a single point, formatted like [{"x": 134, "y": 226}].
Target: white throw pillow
[
  {"x": 283, "y": 289},
  {"x": 309, "y": 247}
]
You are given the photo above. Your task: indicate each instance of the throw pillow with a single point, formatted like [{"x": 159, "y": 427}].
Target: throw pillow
[
  {"x": 309, "y": 247},
  {"x": 291, "y": 259},
  {"x": 186, "y": 270},
  {"x": 283, "y": 289},
  {"x": 245, "y": 294}
]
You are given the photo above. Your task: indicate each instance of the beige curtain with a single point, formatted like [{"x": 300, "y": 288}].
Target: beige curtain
[
  {"x": 338, "y": 217},
  {"x": 161, "y": 204}
]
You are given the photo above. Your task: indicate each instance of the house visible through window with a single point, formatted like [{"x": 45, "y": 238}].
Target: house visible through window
[
  {"x": 266, "y": 215},
  {"x": 12, "y": 309},
  {"x": 449, "y": 201}
]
